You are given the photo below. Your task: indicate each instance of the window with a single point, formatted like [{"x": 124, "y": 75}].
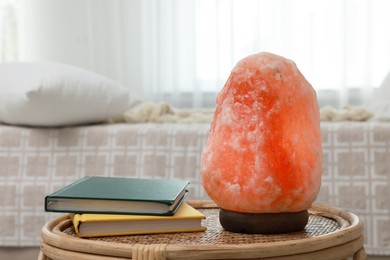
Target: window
[
  {"x": 341, "y": 46},
  {"x": 183, "y": 51}
]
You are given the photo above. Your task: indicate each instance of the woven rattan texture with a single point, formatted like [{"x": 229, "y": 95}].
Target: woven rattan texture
[{"x": 215, "y": 235}]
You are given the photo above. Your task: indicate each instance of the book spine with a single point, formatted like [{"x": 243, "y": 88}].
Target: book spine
[{"x": 76, "y": 220}]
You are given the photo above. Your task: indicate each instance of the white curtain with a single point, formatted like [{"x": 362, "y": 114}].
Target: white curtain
[
  {"x": 8, "y": 31},
  {"x": 182, "y": 51}
]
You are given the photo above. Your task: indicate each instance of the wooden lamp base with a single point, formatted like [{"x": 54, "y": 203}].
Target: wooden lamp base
[{"x": 263, "y": 223}]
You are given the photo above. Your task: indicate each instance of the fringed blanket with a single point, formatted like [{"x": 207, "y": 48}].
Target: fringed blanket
[{"x": 165, "y": 113}]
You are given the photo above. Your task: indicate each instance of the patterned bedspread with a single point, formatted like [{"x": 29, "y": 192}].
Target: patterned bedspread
[{"x": 35, "y": 162}]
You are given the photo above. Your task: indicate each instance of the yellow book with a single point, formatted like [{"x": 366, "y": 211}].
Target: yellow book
[{"x": 186, "y": 219}]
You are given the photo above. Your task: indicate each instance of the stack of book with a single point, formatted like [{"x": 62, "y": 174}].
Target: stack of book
[{"x": 108, "y": 206}]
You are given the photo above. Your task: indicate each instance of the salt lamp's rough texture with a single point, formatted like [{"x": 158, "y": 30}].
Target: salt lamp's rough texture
[{"x": 263, "y": 153}]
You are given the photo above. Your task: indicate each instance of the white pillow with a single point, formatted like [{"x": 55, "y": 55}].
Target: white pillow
[{"x": 52, "y": 94}]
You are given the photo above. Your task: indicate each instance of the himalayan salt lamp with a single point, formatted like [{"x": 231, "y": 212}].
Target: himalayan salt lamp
[{"x": 263, "y": 157}]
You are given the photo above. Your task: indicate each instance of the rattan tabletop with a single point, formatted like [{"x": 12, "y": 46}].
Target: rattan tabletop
[{"x": 328, "y": 228}]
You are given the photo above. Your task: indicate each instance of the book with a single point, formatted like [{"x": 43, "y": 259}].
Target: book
[
  {"x": 111, "y": 195},
  {"x": 186, "y": 219}
]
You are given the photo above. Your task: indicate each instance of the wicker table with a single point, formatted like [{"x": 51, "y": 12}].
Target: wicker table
[{"x": 330, "y": 234}]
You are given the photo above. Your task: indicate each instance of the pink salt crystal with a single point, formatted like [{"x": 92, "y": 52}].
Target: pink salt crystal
[{"x": 263, "y": 153}]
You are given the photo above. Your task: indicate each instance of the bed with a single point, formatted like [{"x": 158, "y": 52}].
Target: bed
[{"x": 38, "y": 161}]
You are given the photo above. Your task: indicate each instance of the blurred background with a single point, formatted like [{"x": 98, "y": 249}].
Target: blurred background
[{"x": 182, "y": 51}]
